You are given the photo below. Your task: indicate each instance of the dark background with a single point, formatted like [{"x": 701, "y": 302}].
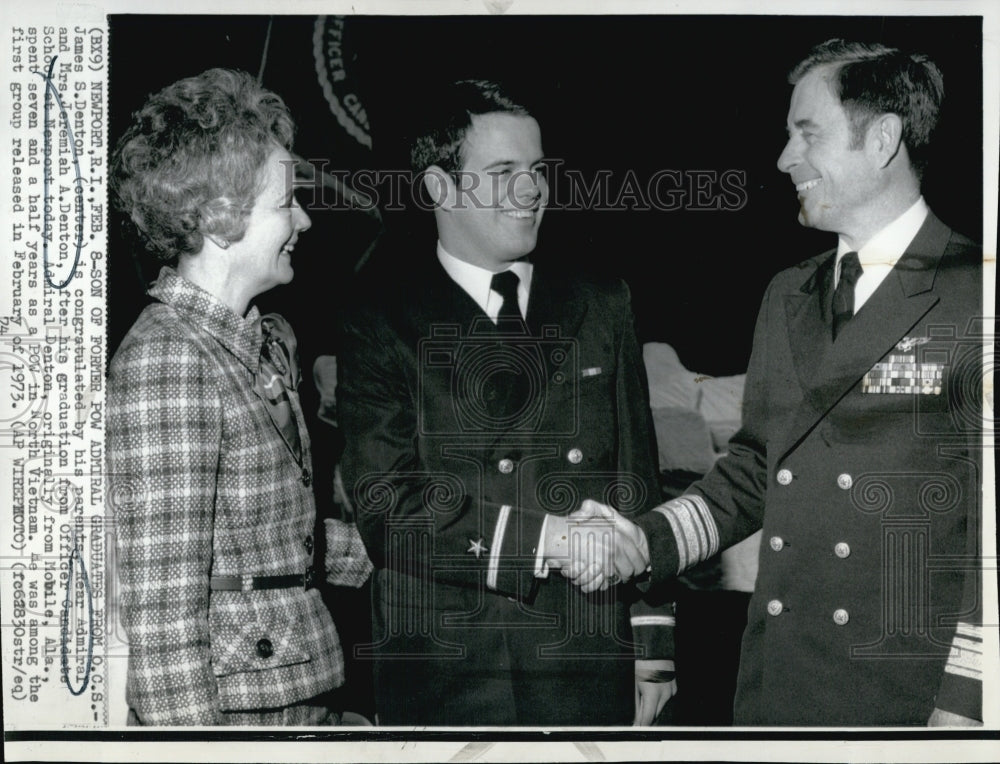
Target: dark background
[
  {"x": 617, "y": 93},
  {"x": 613, "y": 94}
]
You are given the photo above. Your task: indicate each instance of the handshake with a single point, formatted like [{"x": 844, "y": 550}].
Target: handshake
[{"x": 595, "y": 547}]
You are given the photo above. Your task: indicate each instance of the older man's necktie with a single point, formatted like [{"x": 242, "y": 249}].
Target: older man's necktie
[{"x": 843, "y": 295}]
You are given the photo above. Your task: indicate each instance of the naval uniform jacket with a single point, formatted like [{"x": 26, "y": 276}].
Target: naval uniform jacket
[
  {"x": 450, "y": 500},
  {"x": 861, "y": 461},
  {"x": 203, "y": 485}
]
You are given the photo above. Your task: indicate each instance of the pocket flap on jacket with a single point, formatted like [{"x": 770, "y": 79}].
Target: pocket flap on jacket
[{"x": 256, "y": 646}]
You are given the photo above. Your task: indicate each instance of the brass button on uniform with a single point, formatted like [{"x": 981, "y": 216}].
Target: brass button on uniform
[
  {"x": 777, "y": 543},
  {"x": 784, "y": 477},
  {"x": 506, "y": 466},
  {"x": 842, "y": 550},
  {"x": 306, "y": 478},
  {"x": 841, "y": 616},
  {"x": 845, "y": 481},
  {"x": 308, "y": 543},
  {"x": 774, "y": 607},
  {"x": 575, "y": 456},
  {"x": 264, "y": 648}
]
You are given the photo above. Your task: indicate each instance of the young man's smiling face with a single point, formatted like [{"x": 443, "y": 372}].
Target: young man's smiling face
[{"x": 500, "y": 195}]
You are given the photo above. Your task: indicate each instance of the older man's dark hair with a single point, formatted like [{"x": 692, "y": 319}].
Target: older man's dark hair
[{"x": 871, "y": 79}]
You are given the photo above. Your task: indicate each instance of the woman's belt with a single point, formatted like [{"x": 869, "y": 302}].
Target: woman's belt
[{"x": 257, "y": 583}]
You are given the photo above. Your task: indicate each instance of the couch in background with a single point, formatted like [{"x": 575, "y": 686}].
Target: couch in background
[{"x": 695, "y": 416}]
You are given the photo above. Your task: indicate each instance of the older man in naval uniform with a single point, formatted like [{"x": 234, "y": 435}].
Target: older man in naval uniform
[{"x": 860, "y": 451}]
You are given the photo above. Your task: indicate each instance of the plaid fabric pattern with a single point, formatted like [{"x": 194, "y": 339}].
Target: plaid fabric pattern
[
  {"x": 347, "y": 562},
  {"x": 315, "y": 712},
  {"x": 203, "y": 484}
]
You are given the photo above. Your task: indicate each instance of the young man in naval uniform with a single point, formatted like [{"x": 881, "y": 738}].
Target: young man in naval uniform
[{"x": 482, "y": 397}]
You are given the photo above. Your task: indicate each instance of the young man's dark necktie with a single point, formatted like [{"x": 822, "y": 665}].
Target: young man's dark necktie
[
  {"x": 843, "y": 295},
  {"x": 507, "y": 388},
  {"x": 505, "y": 284}
]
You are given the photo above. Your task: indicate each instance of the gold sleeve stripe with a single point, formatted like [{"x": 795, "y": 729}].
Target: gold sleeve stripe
[{"x": 694, "y": 529}]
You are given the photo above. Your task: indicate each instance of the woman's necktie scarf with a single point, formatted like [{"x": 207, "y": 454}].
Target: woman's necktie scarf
[{"x": 278, "y": 373}]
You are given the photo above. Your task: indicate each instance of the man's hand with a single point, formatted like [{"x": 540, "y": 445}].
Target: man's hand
[
  {"x": 597, "y": 546},
  {"x": 941, "y": 718},
  {"x": 655, "y": 684},
  {"x": 583, "y": 550}
]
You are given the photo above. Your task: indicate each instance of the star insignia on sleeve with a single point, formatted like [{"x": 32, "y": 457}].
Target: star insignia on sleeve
[{"x": 478, "y": 548}]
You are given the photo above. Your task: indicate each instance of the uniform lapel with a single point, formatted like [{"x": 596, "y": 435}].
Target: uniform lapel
[
  {"x": 808, "y": 317},
  {"x": 444, "y": 310},
  {"x": 454, "y": 327},
  {"x": 552, "y": 304},
  {"x": 554, "y": 316},
  {"x": 556, "y": 312},
  {"x": 440, "y": 302},
  {"x": 901, "y": 300}
]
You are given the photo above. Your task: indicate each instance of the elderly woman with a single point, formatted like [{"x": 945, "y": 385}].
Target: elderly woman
[{"x": 207, "y": 448}]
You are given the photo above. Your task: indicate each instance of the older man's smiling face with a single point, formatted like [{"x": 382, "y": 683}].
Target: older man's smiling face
[{"x": 836, "y": 181}]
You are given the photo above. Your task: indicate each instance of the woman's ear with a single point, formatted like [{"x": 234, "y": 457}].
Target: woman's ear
[{"x": 217, "y": 240}]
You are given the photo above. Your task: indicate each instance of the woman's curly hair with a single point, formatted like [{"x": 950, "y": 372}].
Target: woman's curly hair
[{"x": 189, "y": 163}]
